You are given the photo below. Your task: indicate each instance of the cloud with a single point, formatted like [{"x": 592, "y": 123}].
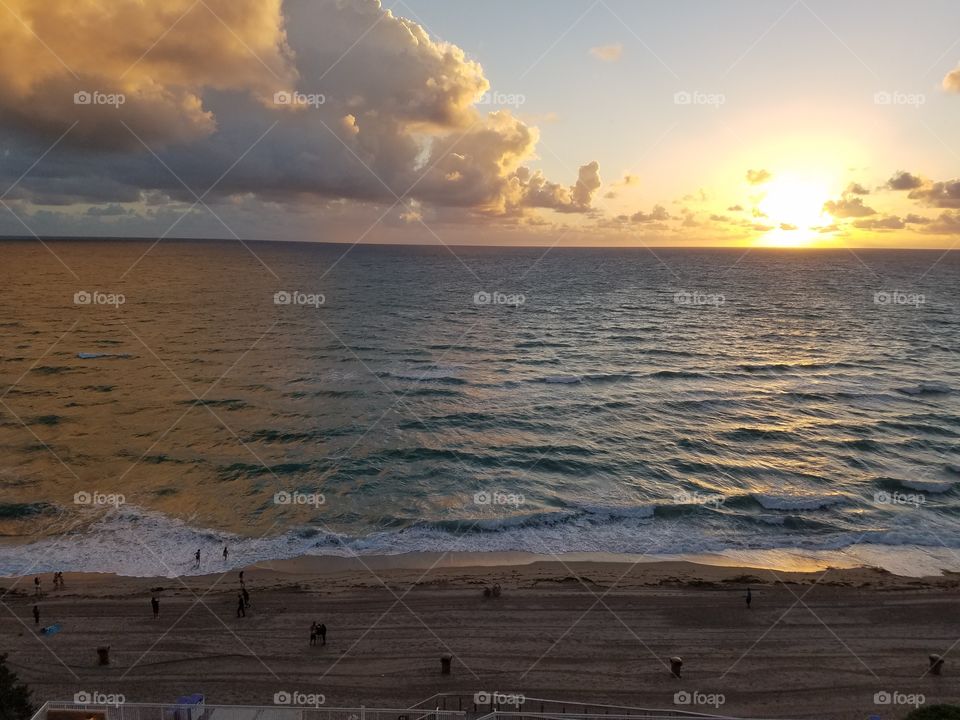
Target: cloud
[
  {"x": 848, "y": 208},
  {"x": 98, "y": 48},
  {"x": 913, "y": 219},
  {"x": 856, "y": 189},
  {"x": 398, "y": 116},
  {"x": 758, "y": 177},
  {"x": 735, "y": 208},
  {"x": 890, "y": 222},
  {"x": 903, "y": 180},
  {"x": 658, "y": 214},
  {"x": 948, "y": 222},
  {"x": 607, "y": 53},
  {"x": 938, "y": 194},
  {"x": 951, "y": 81}
]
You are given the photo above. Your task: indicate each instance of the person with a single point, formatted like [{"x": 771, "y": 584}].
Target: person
[
  {"x": 225, "y": 553},
  {"x": 36, "y": 586},
  {"x": 749, "y": 598},
  {"x": 246, "y": 598},
  {"x": 313, "y": 633},
  {"x": 241, "y": 578},
  {"x": 155, "y": 604},
  {"x": 241, "y": 607},
  {"x": 197, "y": 558},
  {"x": 323, "y": 634},
  {"x": 36, "y": 614}
]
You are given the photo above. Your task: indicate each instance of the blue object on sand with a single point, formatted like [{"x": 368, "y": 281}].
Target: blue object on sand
[
  {"x": 50, "y": 629},
  {"x": 195, "y": 699}
]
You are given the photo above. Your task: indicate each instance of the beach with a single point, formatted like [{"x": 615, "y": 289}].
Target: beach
[{"x": 817, "y": 644}]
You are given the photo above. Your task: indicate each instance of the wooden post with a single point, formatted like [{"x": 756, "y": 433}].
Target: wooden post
[
  {"x": 936, "y": 664},
  {"x": 103, "y": 655},
  {"x": 676, "y": 664},
  {"x": 445, "y": 661}
]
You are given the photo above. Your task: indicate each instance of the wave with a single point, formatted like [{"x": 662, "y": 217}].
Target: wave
[
  {"x": 798, "y": 502},
  {"x": 106, "y": 545},
  {"x": 927, "y": 388}
]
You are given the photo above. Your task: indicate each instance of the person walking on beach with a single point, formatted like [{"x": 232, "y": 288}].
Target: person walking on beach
[
  {"x": 749, "y": 598},
  {"x": 241, "y": 578},
  {"x": 322, "y": 630},
  {"x": 241, "y": 607},
  {"x": 36, "y": 614},
  {"x": 36, "y": 586},
  {"x": 225, "y": 553},
  {"x": 246, "y": 597},
  {"x": 313, "y": 633},
  {"x": 196, "y": 557},
  {"x": 155, "y": 604}
]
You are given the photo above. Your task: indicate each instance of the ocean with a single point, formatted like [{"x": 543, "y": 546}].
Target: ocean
[{"x": 292, "y": 399}]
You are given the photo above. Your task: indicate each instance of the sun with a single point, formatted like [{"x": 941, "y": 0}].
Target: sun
[{"x": 793, "y": 205}]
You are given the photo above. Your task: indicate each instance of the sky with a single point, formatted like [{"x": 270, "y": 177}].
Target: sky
[{"x": 785, "y": 123}]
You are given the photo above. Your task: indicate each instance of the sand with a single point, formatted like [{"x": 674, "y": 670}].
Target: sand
[{"x": 814, "y": 645}]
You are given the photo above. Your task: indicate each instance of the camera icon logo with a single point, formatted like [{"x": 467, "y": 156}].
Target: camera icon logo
[
  {"x": 82, "y": 498},
  {"x": 482, "y": 298},
  {"x": 482, "y": 498},
  {"x": 283, "y": 97},
  {"x": 282, "y": 297},
  {"x": 482, "y": 698},
  {"x": 82, "y": 297},
  {"x": 282, "y": 498},
  {"x": 882, "y": 698},
  {"x": 682, "y": 97},
  {"x": 82, "y": 698},
  {"x": 682, "y": 697},
  {"x": 282, "y": 698},
  {"x": 82, "y": 97}
]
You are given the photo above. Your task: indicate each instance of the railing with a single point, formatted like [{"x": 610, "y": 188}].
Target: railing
[
  {"x": 172, "y": 711},
  {"x": 549, "y": 709}
]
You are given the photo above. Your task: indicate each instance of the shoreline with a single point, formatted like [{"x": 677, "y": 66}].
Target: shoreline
[{"x": 906, "y": 561}]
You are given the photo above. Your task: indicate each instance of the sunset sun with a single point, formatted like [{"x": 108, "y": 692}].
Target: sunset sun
[{"x": 794, "y": 207}]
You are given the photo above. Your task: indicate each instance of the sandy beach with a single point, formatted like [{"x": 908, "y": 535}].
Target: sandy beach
[{"x": 813, "y": 645}]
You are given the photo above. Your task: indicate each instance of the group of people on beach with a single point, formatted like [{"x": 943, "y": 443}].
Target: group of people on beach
[
  {"x": 196, "y": 557},
  {"x": 57, "y": 584},
  {"x": 318, "y": 632}
]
